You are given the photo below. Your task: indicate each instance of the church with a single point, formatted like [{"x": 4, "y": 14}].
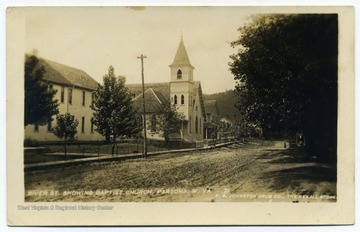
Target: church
[{"x": 183, "y": 92}]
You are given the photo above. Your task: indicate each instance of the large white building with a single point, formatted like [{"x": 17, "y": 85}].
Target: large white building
[
  {"x": 182, "y": 91},
  {"x": 186, "y": 94},
  {"x": 74, "y": 94}
]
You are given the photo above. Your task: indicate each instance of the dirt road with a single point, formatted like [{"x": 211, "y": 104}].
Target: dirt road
[{"x": 257, "y": 171}]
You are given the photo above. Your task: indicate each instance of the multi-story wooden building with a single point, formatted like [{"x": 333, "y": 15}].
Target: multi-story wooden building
[{"x": 74, "y": 94}]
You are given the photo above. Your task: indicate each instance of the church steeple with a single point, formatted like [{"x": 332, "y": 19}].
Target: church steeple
[
  {"x": 185, "y": 94},
  {"x": 181, "y": 58}
]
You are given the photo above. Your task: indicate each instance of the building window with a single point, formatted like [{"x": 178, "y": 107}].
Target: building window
[
  {"x": 82, "y": 124},
  {"x": 62, "y": 94},
  {"x": 83, "y": 98},
  {"x": 70, "y": 95},
  {"x": 179, "y": 74},
  {"x": 36, "y": 127},
  {"x": 200, "y": 126},
  {"x": 175, "y": 100},
  {"x": 182, "y": 100},
  {"x": 153, "y": 123},
  {"x": 196, "y": 108},
  {"x": 190, "y": 124},
  {"x": 51, "y": 87},
  {"x": 49, "y": 126},
  {"x": 91, "y": 125},
  {"x": 140, "y": 120},
  {"x": 196, "y": 125},
  {"x": 92, "y": 99}
]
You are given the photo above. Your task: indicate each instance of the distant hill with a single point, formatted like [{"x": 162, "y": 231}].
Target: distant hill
[{"x": 226, "y": 103}]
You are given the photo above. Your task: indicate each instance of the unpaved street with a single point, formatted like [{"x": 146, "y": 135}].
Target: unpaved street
[{"x": 256, "y": 171}]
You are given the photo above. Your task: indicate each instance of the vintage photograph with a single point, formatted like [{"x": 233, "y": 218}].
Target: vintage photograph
[{"x": 178, "y": 105}]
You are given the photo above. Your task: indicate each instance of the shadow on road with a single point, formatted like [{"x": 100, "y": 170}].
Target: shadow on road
[
  {"x": 294, "y": 169},
  {"x": 288, "y": 156}
]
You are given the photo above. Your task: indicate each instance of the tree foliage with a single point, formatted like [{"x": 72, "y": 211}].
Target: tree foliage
[
  {"x": 39, "y": 103},
  {"x": 169, "y": 120},
  {"x": 226, "y": 102},
  {"x": 65, "y": 128},
  {"x": 286, "y": 72},
  {"x": 114, "y": 115}
]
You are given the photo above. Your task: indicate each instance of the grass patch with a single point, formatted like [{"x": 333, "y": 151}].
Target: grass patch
[
  {"x": 40, "y": 158},
  {"x": 55, "y": 152}
]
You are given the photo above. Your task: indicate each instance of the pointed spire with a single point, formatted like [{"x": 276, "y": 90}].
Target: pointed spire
[{"x": 181, "y": 57}]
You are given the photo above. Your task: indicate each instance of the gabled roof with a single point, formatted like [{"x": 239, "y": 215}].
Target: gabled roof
[
  {"x": 66, "y": 75},
  {"x": 211, "y": 107},
  {"x": 154, "y": 101},
  {"x": 163, "y": 88},
  {"x": 198, "y": 90},
  {"x": 161, "y": 97},
  {"x": 181, "y": 57}
]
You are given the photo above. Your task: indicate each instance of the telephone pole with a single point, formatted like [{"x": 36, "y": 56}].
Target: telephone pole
[{"x": 143, "y": 96}]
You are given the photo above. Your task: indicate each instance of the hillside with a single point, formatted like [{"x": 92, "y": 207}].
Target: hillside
[{"x": 226, "y": 103}]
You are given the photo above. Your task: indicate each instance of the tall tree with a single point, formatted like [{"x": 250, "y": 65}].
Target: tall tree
[
  {"x": 40, "y": 104},
  {"x": 114, "y": 115},
  {"x": 65, "y": 128},
  {"x": 286, "y": 68},
  {"x": 169, "y": 120}
]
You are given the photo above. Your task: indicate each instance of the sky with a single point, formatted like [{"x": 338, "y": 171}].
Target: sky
[{"x": 94, "y": 38}]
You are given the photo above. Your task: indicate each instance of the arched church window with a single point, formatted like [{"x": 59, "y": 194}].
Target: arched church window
[
  {"x": 196, "y": 125},
  {"x": 190, "y": 125},
  {"x": 200, "y": 126},
  {"x": 139, "y": 120},
  {"x": 175, "y": 100},
  {"x": 153, "y": 123},
  {"x": 179, "y": 74},
  {"x": 182, "y": 100}
]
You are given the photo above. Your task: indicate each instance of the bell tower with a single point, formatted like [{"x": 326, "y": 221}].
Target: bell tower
[{"x": 181, "y": 83}]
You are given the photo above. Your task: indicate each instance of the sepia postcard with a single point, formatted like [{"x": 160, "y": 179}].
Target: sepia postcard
[{"x": 180, "y": 115}]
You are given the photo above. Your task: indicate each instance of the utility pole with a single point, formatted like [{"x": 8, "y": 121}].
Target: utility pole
[{"x": 143, "y": 96}]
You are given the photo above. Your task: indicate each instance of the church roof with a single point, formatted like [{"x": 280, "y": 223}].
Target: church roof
[
  {"x": 211, "y": 107},
  {"x": 163, "y": 88},
  {"x": 154, "y": 101},
  {"x": 66, "y": 75},
  {"x": 157, "y": 94},
  {"x": 181, "y": 57}
]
